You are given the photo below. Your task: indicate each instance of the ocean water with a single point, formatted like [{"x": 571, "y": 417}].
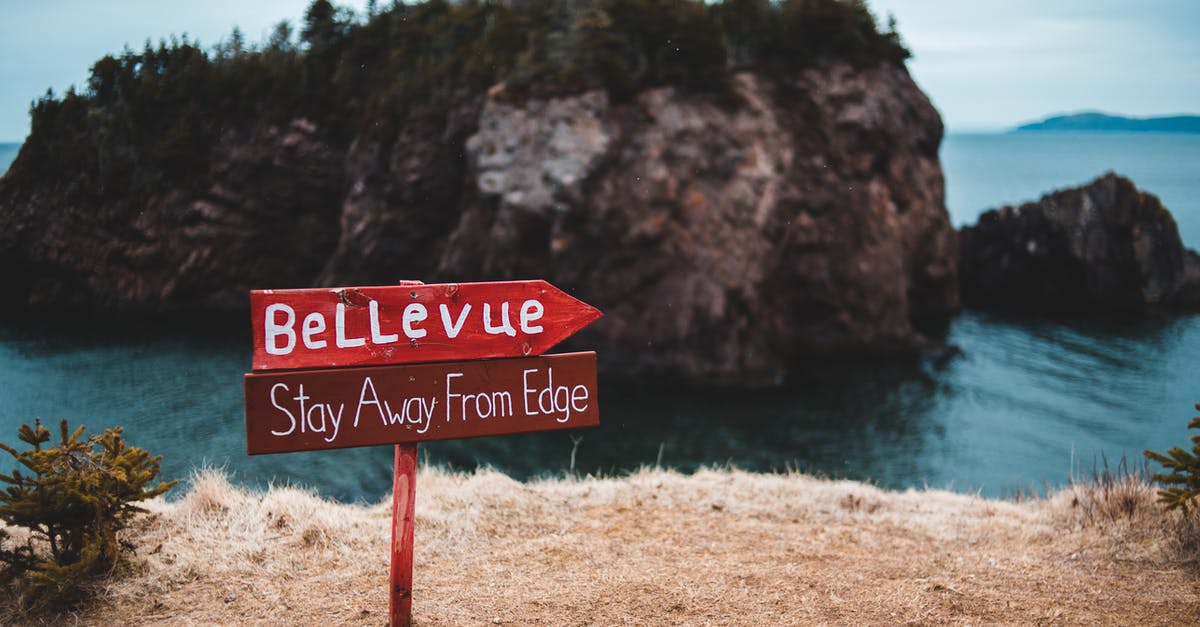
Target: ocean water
[
  {"x": 8, "y": 152},
  {"x": 988, "y": 170},
  {"x": 1030, "y": 403}
]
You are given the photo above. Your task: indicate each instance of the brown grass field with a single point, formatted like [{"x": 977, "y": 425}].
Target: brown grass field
[{"x": 720, "y": 547}]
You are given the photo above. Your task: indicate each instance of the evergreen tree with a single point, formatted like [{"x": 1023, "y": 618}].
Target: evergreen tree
[
  {"x": 1182, "y": 474},
  {"x": 320, "y": 29},
  {"x": 280, "y": 40},
  {"x": 80, "y": 494}
]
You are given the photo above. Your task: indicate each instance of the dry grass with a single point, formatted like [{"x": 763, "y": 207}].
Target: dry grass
[{"x": 717, "y": 547}]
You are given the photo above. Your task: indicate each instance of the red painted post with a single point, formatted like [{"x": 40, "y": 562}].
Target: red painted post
[
  {"x": 404, "y": 500},
  {"x": 404, "y": 503}
]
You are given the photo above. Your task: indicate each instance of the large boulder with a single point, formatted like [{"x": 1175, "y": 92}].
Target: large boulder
[{"x": 1105, "y": 246}]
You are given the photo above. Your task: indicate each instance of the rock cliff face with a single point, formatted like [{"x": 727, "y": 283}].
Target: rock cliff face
[
  {"x": 1105, "y": 246},
  {"x": 724, "y": 240},
  {"x": 261, "y": 217}
]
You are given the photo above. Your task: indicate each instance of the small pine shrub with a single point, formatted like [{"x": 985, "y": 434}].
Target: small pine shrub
[
  {"x": 72, "y": 498},
  {"x": 1182, "y": 473}
]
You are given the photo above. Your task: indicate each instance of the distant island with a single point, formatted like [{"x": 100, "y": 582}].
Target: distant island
[{"x": 1103, "y": 122}]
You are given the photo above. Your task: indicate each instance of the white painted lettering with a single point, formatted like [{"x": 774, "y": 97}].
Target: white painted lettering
[
  {"x": 579, "y": 393},
  {"x": 376, "y": 336},
  {"x": 547, "y": 394},
  {"x": 314, "y": 323},
  {"x": 335, "y": 419},
  {"x": 531, "y": 310},
  {"x": 487, "y": 405},
  {"x": 281, "y": 408},
  {"x": 526, "y": 389},
  {"x": 393, "y": 417},
  {"x": 362, "y": 401},
  {"x": 505, "y": 325},
  {"x": 503, "y": 403},
  {"x": 453, "y": 329},
  {"x": 414, "y": 312},
  {"x": 449, "y": 405},
  {"x": 312, "y": 425},
  {"x": 479, "y": 411},
  {"x": 301, "y": 398},
  {"x": 427, "y": 411},
  {"x": 554, "y": 401},
  {"x": 273, "y": 330},
  {"x": 408, "y": 407},
  {"x": 339, "y": 324}
]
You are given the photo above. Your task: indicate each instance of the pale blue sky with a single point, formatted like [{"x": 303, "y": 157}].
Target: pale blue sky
[
  {"x": 993, "y": 64},
  {"x": 985, "y": 64},
  {"x": 53, "y": 43}
]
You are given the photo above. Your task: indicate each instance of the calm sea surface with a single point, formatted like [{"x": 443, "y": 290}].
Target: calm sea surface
[
  {"x": 1030, "y": 401},
  {"x": 8, "y": 152}
]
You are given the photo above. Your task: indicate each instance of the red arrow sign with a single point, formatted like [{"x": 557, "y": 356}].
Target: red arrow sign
[
  {"x": 357, "y": 326},
  {"x": 320, "y": 409}
]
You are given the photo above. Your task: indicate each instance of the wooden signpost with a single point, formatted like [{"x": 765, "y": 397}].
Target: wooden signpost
[{"x": 327, "y": 377}]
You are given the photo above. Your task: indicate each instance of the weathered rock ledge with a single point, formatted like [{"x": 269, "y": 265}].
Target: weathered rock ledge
[
  {"x": 1102, "y": 247},
  {"x": 724, "y": 242}
]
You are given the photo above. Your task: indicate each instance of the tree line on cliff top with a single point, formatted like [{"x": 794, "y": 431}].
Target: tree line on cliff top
[{"x": 150, "y": 118}]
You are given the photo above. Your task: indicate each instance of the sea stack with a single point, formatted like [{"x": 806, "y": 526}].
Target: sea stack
[
  {"x": 733, "y": 211},
  {"x": 1103, "y": 247}
]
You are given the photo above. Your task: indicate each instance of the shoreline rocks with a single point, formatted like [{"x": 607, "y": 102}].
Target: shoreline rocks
[{"x": 1103, "y": 247}]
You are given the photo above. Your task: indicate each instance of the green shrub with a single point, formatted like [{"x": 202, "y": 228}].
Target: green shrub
[
  {"x": 1182, "y": 473},
  {"x": 79, "y": 495}
]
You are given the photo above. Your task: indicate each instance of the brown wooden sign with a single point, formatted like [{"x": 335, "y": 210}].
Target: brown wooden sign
[{"x": 338, "y": 408}]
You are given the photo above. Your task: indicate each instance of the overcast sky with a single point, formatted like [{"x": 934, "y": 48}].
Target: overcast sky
[
  {"x": 987, "y": 65},
  {"x": 53, "y": 43},
  {"x": 998, "y": 63}
]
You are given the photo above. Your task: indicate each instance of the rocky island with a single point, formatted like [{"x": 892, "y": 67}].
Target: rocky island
[
  {"x": 736, "y": 185},
  {"x": 1105, "y": 246}
]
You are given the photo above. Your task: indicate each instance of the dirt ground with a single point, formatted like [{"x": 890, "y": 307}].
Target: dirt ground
[{"x": 718, "y": 547}]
